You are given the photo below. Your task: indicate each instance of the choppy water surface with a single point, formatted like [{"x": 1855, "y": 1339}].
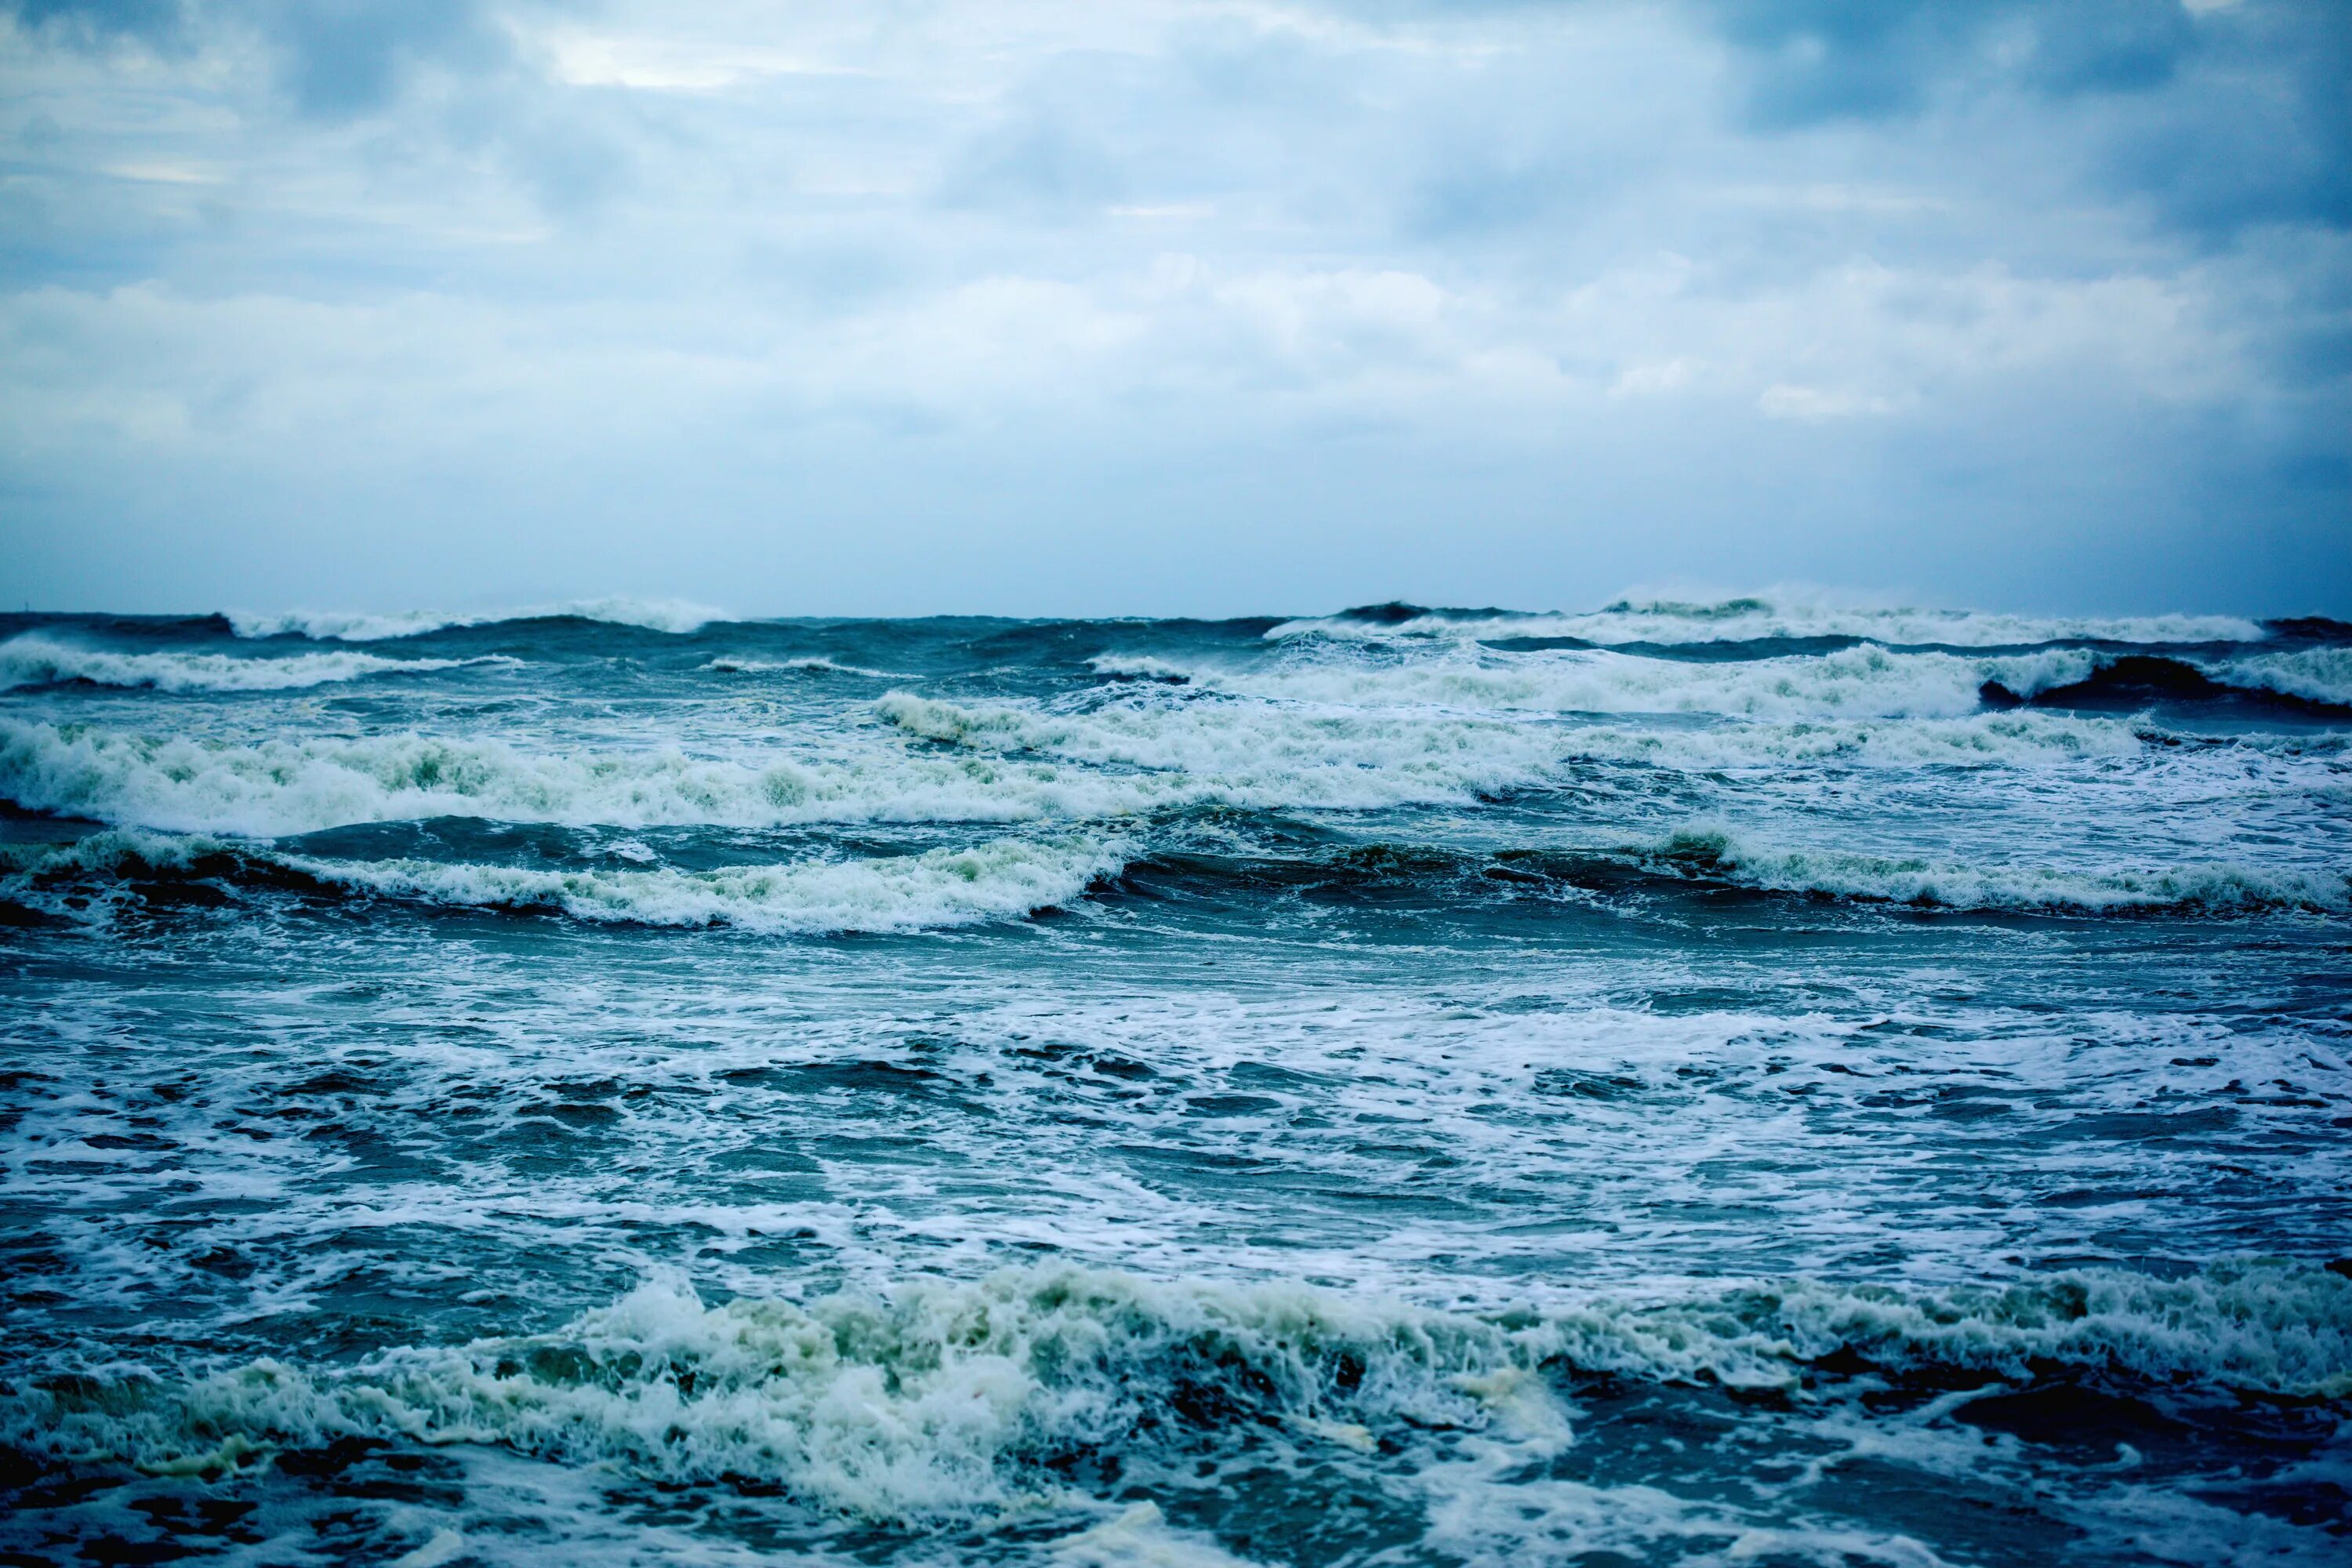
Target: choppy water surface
[{"x": 1674, "y": 1084}]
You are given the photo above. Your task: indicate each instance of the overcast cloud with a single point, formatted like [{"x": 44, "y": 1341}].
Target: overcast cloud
[{"x": 1045, "y": 308}]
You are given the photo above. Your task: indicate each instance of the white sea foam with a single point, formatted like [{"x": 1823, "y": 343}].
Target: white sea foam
[
  {"x": 946, "y": 1400},
  {"x": 675, "y": 615},
  {"x": 34, "y": 659},
  {"x": 1139, "y": 1538},
  {"x": 1782, "y": 616},
  {"x": 2216, "y": 886}
]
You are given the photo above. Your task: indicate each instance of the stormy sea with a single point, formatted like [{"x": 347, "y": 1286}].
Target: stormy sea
[{"x": 1764, "y": 1082}]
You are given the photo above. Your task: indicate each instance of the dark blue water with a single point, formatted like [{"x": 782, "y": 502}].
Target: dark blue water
[{"x": 1683, "y": 1083}]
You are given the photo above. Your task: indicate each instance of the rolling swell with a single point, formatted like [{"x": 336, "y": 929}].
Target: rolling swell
[
  {"x": 821, "y": 893},
  {"x": 1713, "y": 859}
]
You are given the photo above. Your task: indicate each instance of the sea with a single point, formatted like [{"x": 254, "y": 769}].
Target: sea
[{"x": 1773, "y": 1082}]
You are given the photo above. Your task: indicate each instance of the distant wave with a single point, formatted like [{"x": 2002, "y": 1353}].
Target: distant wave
[
  {"x": 2217, "y": 887},
  {"x": 1136, "y": 666},
  {"x": 1003, "y": 879},
  {"x": 34, "y": 659},
  {"x": 1715, "y": 857},
  {"x": 1860, "y": 681},
  {"x": 943, "y": 1399},
  {"x": 813, "y": 664},
  {"x": 1761, "y": 618},
  {"x": 675, "y": 615}
]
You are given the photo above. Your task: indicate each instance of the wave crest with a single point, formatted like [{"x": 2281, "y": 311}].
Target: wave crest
[
  {"x": 1780, "y": 614},
  {"x": 943, "y": 1399},
  {"x": 1717, "y": 853},
  {"x": 674, "y": 615},
  {"x": 1001, "y": 879},
  {"x": 36, "y": 661}
]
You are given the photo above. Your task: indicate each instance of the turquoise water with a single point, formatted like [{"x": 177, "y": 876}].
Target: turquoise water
[{"x": 1757, "y": 1082}]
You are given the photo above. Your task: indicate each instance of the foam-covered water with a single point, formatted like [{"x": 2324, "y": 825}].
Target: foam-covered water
[{"x": 1768, "y": 1081}]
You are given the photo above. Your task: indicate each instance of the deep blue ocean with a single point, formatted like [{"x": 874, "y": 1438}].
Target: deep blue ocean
[{"x": 1761, "y": 1082}]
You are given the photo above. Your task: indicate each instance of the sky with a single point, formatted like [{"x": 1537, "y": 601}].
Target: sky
[{"x": 1156, "y": 307}]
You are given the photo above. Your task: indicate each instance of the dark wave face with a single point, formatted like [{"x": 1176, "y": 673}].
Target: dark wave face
[{"x": 1680, "y": 1082}]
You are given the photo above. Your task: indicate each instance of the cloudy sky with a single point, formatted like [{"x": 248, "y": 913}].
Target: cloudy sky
[{"x": 1122, "y": 307}]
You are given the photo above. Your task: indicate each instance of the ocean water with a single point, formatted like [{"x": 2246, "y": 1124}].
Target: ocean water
[{"x": 1757, "y": 1082}]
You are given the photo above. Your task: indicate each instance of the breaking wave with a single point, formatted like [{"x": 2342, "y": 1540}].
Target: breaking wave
[
  {"x": 941, "y": 888},
  {"x": 2321, "y": 675},
  {"x": 674, "y": 615},
  {"x": 989, "y": 762},
  {"x": 1860, "y": 682},
  {"x": 1717, "y": 854},
  {"x": 1765, "y": 618},
  {"x": 941, "y": 1400},
  {"x": 1864, "y": 681},
  {"x": 36, "y": 661},
  {"x": 813, "y": 664},
  {"x": 999, "y": 764}
]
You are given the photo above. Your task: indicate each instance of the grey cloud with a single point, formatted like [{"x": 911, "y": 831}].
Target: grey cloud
[
  {"x": 1520, "y": 283},
  {"x": 1034, "y": 166},
  {"x": 2220, "y": 121},
  {"x": 87, "y": 23},
  {"x": 2262, "y": 135},
  {"x": 1808, "y": 61},
  {"x": 345, "y": 57},
  {"x": 337, "y": 59}
]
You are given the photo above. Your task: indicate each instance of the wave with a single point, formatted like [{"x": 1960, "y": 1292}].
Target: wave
[
  {"x": 972, "y": 763},
  {"x": 1011, "y": 878},
  {"x": 2319, "y": 675},
  {"x": 1860, "y": 682},
  {"x": 1864, "y": 681},
  {"x": 945, "y": 1400},
  {"x": 987, "y": 764},
  {"x": 1138, "y": 666},
  {"x": 279, "y": 788},
  {"x": 674, "y": 615},
  {"x": 941, "y": 888},
  {"x": 2314, "y": 684},
  {"x": 36, "y": 660},
  {"x": 1395, "y": 753},
  {"x": 1717, "y": 854},
  {"x": 813, "y": 664},
  {"x": 1765, "y": 618}
]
